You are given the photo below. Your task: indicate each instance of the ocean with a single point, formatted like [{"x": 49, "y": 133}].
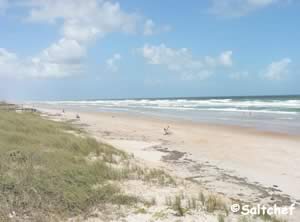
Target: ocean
[{"x": 271, "y": 113}]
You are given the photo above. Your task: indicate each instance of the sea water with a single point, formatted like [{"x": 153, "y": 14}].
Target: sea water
[{"x": 271, "y": 113}]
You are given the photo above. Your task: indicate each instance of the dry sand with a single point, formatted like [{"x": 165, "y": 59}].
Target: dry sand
[{"x": 241, "y": 163}]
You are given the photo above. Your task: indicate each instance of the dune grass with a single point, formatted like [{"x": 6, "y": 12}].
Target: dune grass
[{"x": 44, "y": 171}]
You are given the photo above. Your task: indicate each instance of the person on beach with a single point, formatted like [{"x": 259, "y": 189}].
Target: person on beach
[{"x": 166, "y": 130}]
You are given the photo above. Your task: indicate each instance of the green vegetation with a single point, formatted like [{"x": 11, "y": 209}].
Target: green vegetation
[
  {"x": 267, "y": 217},
  {"x": 214, "y": 203},
  {"x": 160, "y": 215},
  {"x": 45, "y": 171},
  {"x": 221, "y": 218},
  {"x": 157, "y": 176},
  {"x": 181, "y": 204},
  {"x": 202, "y": 198},
  {"x": 177, "y": 206}
]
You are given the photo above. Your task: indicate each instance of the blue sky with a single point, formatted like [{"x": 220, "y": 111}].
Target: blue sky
[{"x": 73, "y": 49}]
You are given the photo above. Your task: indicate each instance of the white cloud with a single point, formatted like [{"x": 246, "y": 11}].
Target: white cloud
[
  {"x": 8, "y": 62},
  {"x": 183, "y": 62},
  {"x": 3, "y": 6},
  {"x": 81, "y": 22},
  {"x": 112, "y": 63},
  {"x": 278, "y": 69},
  {"x": 150, "y": 28},
  {"x": 238, "y": 8},
  {"x": 65, "y": 51},
  {"x": 226, "y": 58},
  {"x": 59, "y": 60}
]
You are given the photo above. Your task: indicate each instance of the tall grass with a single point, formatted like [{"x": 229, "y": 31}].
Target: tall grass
[{"x": 44, "y": 170}]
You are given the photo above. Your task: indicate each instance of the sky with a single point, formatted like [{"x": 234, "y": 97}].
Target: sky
[{"x": 98, "y": 49}]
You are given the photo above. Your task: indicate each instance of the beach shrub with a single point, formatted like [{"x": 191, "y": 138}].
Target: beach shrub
[
  {"x": 177, "y": 206},
  {"x": 221, "y": 218}
]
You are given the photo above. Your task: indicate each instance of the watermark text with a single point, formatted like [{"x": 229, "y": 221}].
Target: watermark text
[{"x": 263, "y": 210}]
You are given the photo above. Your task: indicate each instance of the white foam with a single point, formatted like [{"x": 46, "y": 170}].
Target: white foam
[{"x": 228, "y": 105}]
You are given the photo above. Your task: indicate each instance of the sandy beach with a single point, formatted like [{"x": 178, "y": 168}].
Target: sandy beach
[{"x": 241, "y": 163}]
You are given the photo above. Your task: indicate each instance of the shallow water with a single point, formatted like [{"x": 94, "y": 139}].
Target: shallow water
[{"x": 271, "y": 113}]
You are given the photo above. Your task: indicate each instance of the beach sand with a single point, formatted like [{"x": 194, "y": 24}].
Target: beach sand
[{"x": 241, "y": 163}]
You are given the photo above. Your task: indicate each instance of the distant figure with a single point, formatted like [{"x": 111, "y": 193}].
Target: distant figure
[
  {"x": 167, "y": 131},
  {"x": 63, "y": 111},
  {"x": 77, "y": 117}
]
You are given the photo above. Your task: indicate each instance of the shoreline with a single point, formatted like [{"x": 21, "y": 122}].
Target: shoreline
[
  {"x": 148, "y": 116},
  {"x": 244, "y": 121},
  {"x": 234, "y": 127},
  {"x": 279, "y": 114},
  {"x": 242, "y": 164}
]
